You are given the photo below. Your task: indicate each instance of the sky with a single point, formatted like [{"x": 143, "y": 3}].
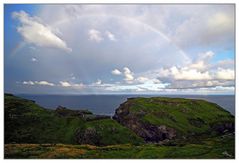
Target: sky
[{"x": 119, "y": 49}]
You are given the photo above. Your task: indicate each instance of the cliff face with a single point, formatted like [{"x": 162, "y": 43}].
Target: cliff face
[
  {"x": 148, "y": 119},
  {"x": 157, "y": 119},
  {"x": 146, "y": 130}
]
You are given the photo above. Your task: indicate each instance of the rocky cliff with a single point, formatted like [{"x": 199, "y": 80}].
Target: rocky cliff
[{"x": 157, "y": 119}]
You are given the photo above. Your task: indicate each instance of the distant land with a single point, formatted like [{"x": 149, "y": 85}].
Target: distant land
[
  {"x": 155, "y": 127},
  {"x": 107, "y": 103}
]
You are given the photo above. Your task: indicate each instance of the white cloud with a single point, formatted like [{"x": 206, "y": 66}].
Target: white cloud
[
  {"x": 199, "y": 70},
  {"x": 140, "y": 87},
  {"x": 130, "y": 79},
  {"x": 65, "y": 84},
  {"x": 183, "y": 73},
  {"x": 222, "y": 20},
  {"x": 116, "y": 72},
  {"x": 110, "y": 36},
  {"x": 37, "y": 33},
  {"x": 98, "y": 82},
  {"x": 44, "y": 83},
  {"x": 207, "y": 55},
  {"x": 34, "y": 59},
  {"x": 95, "y": 35},
  {"x": 128, "y": 75},
  {"x": 189, "y": 74},
  {"x": 28, "y": 82},
  {"x": 38, "y": 83},
  {"x": 199, "y": 74},
  {"x": 186, "y": 73},
  {"x": 32, "y": 48},
  {"x": 136, "y": 26},
  {"x": 71, "y": 85},
  {"x": 202, "y": 62},
  {"x": 72, "y": 76},
  {"x": 141, "y": 79},
  {"x": 213, "y": 28},
  {"x": 225, "y": 74}
]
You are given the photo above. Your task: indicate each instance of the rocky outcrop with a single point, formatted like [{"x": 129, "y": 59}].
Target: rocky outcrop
[
  {"x": 223, "y": 127},
  {"x": 149, "y": 132},
  {"x": 84, "y": 114},
  {"x": 158, "y": 119},
  {"x": 64, "y": 112},
  {"x": 88, "y": 136}
]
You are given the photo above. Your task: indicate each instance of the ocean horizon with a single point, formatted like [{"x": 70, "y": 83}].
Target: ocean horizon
[{"x": 106, "y": 104}]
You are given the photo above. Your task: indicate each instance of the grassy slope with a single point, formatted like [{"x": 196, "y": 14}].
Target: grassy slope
[
  {"x": 217, "y": 147},
  {"x": 111, "y": 132},
  {"x": 177, "y": 113},
  {"x": 27, "y": 122}
]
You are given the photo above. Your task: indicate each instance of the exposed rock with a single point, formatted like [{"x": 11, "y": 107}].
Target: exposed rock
[
  {"x": 88, "y": 136},
  {"x": 225, "y": 153},
  {"x": 197, "y": 122},
  {"x": 157, "y": 119},
  {"x": 223, "y": 127},
  {"x": 63, "y": 111},
  {"x": 149, "y": 132},
  {"x": 85, "y": 114}
]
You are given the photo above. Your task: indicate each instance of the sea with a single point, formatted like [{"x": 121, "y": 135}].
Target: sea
[{"x": 107, "y": 104}]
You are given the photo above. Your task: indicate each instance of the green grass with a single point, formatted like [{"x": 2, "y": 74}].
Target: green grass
[
  {"x": 109, "y": 131},
  {"x": 179, "y": 113},
  {"x": 27, "y": 122},
  {"x": 32, "y": 131},
  {"x": 210, "y": 148}
]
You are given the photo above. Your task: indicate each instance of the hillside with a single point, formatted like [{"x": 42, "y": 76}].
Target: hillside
[
  {"x": 27, "y": 122},
  {"x": 141, "y": 128},
  {"x": 217, "y": 147},
  {"x": 159, "y": 118}
]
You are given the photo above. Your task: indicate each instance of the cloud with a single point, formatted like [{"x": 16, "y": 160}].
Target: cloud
[
  {"x": 153, "y": 41},
  {"x": 146, "y": 80},
  {"x": 128, "y": 75},
  {"x": 28, "y": 82},
  {"x": 225, "y": 74},
  {"x": 110, "y": 36},
  {"x": 34, "y": 59},
  {"x": 116, "y": 72},
  {"x": 98, "y": 82},
  {"x": 201, "y": 69},
  {"x": 222, "y": 20},
  {"x": 202, "y": 61},
  {"x": 46, "y": 83},
  {"x": 34, "y": 32},
  {"x": 214, "y": 28},
  {"x": 71, "y": 85},
  {"x": 65, "y": 84},
  {"x": 72, "y": 76},
  {"x": 199, "y": 74},
  {"x": 183, "y": 85},
  {"x": 95, "y": 35},
  {"x": 142, "y": 79},
  {"x": 188, "y": 74},
  {"x": 148, "y": 86}
]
